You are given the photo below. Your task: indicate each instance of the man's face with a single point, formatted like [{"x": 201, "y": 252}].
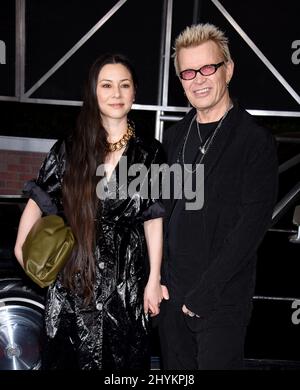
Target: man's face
[{"x": 206, "y": 93}]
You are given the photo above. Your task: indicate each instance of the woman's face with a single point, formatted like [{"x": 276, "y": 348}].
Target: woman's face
[{"x": 115, "y": 91}]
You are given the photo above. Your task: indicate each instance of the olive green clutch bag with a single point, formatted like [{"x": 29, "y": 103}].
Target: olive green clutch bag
[{"x": 46, "y": 249}]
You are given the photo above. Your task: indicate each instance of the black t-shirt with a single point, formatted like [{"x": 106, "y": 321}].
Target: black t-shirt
[
  {"x": 187, "y": 225},
  {"x": 194, "y": 141}
]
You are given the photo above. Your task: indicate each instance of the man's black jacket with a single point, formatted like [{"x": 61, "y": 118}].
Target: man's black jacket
[{"x": 240, "y": 190}]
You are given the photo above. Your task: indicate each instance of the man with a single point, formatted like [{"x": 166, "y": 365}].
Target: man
[{"x": 210, "y": 254}]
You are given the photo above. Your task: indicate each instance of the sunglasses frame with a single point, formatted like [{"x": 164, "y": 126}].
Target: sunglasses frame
[{"x": 216, "y": 67}]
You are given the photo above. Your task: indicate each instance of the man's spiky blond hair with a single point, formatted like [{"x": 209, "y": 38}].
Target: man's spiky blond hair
[{"x": 197, "y": 34}]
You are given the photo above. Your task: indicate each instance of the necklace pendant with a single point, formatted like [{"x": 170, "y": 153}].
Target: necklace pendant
[{"x": 202, "y": 149}]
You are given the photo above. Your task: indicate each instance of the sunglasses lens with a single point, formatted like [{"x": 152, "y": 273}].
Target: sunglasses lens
[
  {"x": 188, "y": 74},
  {"x": 207, "y": 70}
]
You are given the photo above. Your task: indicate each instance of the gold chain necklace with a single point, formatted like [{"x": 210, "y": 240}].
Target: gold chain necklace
[{"x": 114, "y": 146}]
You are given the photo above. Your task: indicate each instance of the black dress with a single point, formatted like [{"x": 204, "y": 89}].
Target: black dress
[{"x": 112, "y": 332}]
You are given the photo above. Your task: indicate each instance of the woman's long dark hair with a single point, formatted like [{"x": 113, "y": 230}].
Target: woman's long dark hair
[{"x": 87, "y": 150}]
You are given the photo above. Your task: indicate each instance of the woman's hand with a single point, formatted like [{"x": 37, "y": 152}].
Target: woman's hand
[
  {"x": 154, "y": 292},
  {"x": 153, "y": 295}
]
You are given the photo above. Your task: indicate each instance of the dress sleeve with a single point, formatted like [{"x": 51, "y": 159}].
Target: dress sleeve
[
  {"x": 153, "y": 206},
  {"x": 46, "y": 189}
]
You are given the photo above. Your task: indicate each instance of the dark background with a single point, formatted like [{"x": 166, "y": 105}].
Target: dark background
[{"x": 53, "y": 27}]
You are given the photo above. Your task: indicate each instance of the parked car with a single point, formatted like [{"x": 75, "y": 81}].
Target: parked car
[
  {"x": 21, "y": 301},
  {"x": 273, "y": 334}
]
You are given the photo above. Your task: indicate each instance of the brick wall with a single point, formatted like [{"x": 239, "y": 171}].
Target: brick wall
[{"x": 16, "y": 167}]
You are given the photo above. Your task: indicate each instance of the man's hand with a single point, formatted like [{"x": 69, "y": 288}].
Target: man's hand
[
  {"x": 188, "y": 312},
  {"x": 165, "y": 292}
]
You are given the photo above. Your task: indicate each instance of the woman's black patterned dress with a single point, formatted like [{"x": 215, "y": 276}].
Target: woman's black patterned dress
[{"x": 112, "y": 332}]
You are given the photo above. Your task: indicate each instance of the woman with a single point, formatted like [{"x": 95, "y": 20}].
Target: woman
[{"x": 96, "y": 313}]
